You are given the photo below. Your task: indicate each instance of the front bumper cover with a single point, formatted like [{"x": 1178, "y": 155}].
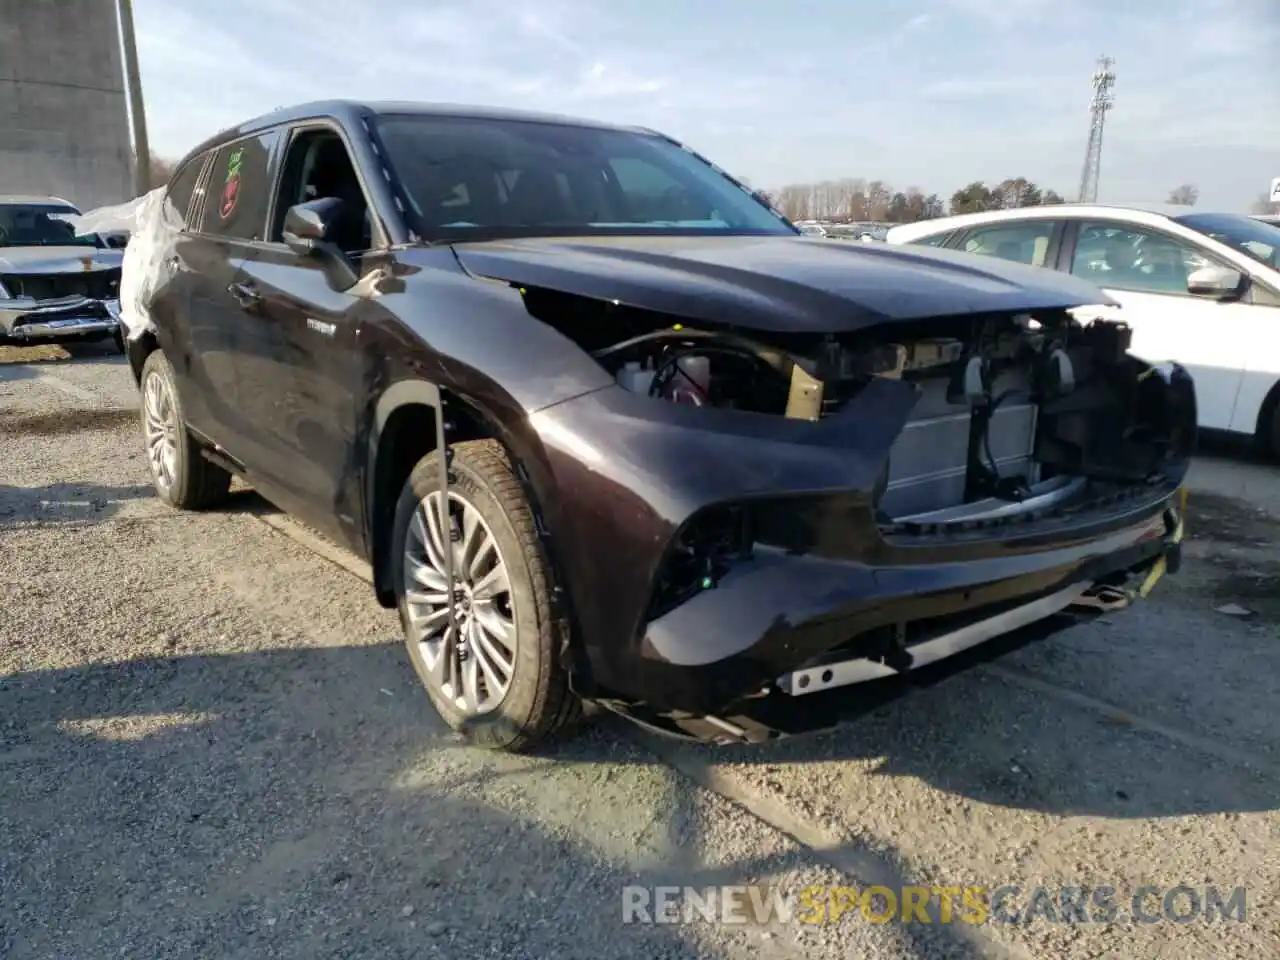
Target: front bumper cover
[
  {"x": 628, "y": 474},
  {"x": 24, "y": 320}
]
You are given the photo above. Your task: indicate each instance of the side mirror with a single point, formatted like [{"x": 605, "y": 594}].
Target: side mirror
[
  {"x": 1217, "y": 283},
  {"x": 308, "y": 228},
  {"x": 306, "y": 225}
]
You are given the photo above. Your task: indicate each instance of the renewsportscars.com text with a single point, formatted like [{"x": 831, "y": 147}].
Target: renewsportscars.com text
[{"x": 971, "y": 904}]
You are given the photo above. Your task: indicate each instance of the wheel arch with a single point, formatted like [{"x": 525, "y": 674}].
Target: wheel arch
[
  {"x": 407, "y": 405},
  {"x": 137, "y": 350},
  {"x": 403, "y": 431}
]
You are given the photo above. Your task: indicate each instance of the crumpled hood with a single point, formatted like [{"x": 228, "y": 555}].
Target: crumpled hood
[
  {"x": 67, "y": 259},
  {"x": 781, "y": 284}
]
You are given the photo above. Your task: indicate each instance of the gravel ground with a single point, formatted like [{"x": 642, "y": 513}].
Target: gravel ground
[{"x": 211, "y": 745}]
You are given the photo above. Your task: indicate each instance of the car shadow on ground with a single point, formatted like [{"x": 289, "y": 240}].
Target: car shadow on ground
[
  {"x": 70, "y": 503},
  {"x": 1233, "y": 446},
  {"x": 305, "y": 803},
  {"x": 969, "y": 728},
  {"x": 244, "y": 499}
]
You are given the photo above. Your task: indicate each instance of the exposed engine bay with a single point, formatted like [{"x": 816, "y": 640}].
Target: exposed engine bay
[{"x": 1016, "y": 412}]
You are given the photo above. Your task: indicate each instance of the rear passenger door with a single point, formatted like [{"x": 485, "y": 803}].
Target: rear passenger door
[
  {"x": 170, "y": 305},
  {"x": 232, "y": 219}
]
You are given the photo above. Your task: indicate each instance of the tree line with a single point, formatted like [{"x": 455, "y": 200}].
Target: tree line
[{"x": 856, "y": 199}]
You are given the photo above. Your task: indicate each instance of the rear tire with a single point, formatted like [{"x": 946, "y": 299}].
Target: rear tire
[
  {"x": 503, "y": 686},
  {"x": 181, "y": 476}
]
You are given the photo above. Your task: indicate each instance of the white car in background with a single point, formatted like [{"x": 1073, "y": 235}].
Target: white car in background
[
  {"x": 1202, "y": 289},
  {"x": 810, "y": 229}
]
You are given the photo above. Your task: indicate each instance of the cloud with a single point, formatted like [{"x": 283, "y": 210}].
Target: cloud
[
  {"x": 980, "y": 88},
  {"x": 1002, "y": 14},
  {"x": 601, "y": 82},
  {"x": 933, "y": 92}
]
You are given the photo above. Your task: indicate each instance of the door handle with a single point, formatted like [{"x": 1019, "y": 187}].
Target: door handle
[{"x": 245, "y": 295}]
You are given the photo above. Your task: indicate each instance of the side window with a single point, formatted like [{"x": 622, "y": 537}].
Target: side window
[
  {"x": 317, "y": 166},
  {"x": 1132, "y": 258},
  {"x": 1026, "y": 242},
  {"x": 937, "y": 240},
  {"x": 183, "y": 186},
  {"x": 239, "y": 187}
]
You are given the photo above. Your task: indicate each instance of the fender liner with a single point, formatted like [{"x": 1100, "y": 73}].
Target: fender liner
[{"x": 400, "y": 394}]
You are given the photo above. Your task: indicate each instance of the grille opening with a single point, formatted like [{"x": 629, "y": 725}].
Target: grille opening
[{"x": 97, "y": 285}]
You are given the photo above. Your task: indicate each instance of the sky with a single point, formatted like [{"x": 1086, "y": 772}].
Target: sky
[{"x": 926, "y": 93}]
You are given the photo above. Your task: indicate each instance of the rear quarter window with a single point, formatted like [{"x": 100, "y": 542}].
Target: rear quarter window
[{"x": 182, "y": 187}]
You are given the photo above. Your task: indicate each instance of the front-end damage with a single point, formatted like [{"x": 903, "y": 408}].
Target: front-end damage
[
  {"x": 846, "y": 507},
  {"x": 37, "y": 307}
]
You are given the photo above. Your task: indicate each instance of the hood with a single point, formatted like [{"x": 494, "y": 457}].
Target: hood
[
  {"x": 69, "y": 259},
  {"x": 781, "y": 284}
]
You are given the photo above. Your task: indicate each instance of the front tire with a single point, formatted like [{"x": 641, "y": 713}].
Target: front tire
[
  {"x": 181, "y": 476},
  {"x": 498, "y": 678}
]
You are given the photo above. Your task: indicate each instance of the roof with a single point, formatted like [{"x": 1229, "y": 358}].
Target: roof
[
  {"x": 352, "y": 111},
  {"x": 20, "y": 198}
]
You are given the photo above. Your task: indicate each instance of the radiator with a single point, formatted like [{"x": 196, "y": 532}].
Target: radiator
[{"x": 927, "y": 465}]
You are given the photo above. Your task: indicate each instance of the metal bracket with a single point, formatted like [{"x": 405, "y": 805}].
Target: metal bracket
[{"x": 446, "y": 520}]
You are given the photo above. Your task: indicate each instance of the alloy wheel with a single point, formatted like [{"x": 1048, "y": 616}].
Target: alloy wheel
[
  {"x": 471, "y": 661},
  {"x": 160, "y": 430}
]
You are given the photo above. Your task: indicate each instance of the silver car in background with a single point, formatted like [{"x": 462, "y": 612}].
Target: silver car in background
[{"x": 55, "y": 286}]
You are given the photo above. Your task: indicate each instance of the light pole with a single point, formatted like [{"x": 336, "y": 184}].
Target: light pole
[{"x": 137, "y": 112}]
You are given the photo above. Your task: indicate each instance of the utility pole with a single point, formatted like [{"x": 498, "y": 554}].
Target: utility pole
[
  {"x": 1104, "y": 79},
  {"x": 137, "y": 112}
]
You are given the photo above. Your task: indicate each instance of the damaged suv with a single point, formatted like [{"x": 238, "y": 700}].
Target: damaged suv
[
  {"x": 56, "y": 286},
  {"x": 606, "y": 426}
]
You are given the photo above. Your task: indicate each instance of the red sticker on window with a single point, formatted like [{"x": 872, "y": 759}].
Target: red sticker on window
[{"x": 231, "y": 188}]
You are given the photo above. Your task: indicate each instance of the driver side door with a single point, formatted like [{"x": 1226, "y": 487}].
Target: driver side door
[{"x": 312, "y": 372}]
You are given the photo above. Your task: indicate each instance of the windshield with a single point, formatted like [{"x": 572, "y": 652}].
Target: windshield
[
  {"x": 471, "y": 178},
  {"x": 39, "y": 225},
  {"x": 1253, "y": 238}
]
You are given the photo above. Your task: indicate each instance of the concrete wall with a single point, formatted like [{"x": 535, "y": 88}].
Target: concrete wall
[{"x": 63, "y": 117}]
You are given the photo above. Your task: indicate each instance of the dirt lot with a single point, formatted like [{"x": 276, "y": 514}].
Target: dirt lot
[{"x": 211, "y": 745}]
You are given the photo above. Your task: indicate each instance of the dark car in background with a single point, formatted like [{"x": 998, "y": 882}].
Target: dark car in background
[
  {"x": 55, "y": 286},
  {"x": 605, "y": 426}
]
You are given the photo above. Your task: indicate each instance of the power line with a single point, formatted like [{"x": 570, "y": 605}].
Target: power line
[{"x": 1104, "y": 80}]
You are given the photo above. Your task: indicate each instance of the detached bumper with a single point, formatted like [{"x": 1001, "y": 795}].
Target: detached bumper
[
  {"x": 67, "y": 318},
  {"x": 802, "y": 625},
  {"x": 821, "y": 581}
]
